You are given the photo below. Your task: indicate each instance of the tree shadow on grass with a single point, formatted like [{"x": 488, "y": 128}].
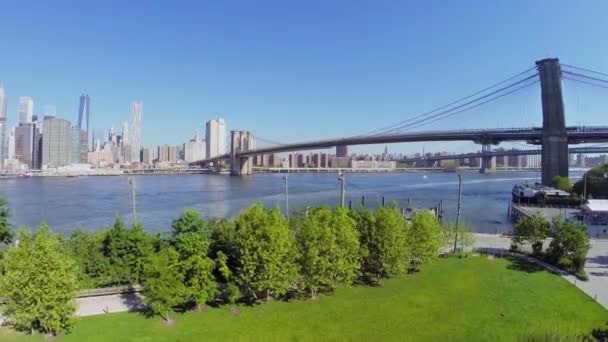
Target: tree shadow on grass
[
  {"x": 517, "y": 264},
  {"x": 133, "y": 301}
]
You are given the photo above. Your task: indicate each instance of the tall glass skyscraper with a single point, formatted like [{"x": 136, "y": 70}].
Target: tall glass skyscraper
[
  {"x": 83, "y": 112},
  {"x": 3, "y": 137},
  {"x": 136, "y": 109},
  {"x": 26, "y": 109},
  {"x": 216, "y": 137}
]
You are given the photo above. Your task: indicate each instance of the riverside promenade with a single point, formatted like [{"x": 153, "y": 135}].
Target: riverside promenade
[{"x": 596, "y": 288}]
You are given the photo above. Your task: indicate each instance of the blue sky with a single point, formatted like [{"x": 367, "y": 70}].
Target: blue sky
[{"x": 292, "y": 71}]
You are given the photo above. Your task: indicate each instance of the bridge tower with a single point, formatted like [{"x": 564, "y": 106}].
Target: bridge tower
[
  {"x": 554, "y": 140},
  {"x": 241, "y": 141},
  {"x": 488, "y": 163}
]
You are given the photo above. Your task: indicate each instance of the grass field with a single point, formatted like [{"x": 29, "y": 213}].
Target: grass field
[{"x": 472, "y": 299}]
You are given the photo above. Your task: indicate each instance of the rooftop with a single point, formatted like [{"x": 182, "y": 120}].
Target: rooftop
[{"x": 596, "y": 205}]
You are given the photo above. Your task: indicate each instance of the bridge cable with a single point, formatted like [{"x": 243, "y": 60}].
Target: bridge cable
[
  {"x": 585, "y": 82},
  {"x": 452, "y": 103},
  {"x": 449, "y": 113},
  {"x": 583, "y": 69},
  {"x": 585, "y": 76}
]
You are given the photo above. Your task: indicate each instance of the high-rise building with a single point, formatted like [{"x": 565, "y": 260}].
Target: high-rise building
[
  {"x": 26, "y": 109},
  {"x": 84, "y": 145},
  {"x": 342, "y": 151},
  {"x": 136, "y": 109},
  {"x": 216, "y": 137},
  {"x": 195, "y": 149},
  {"x": 56, "y": 142},
  {"x": 3, "y": 137},
  {"x": 83, "y": 112},
  {"x": 11, "y": 144},
  {"x": 24, "y": 144}
]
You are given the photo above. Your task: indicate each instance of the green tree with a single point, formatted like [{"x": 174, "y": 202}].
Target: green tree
[
  {"x": 465, "y": 238},
  {"x": 84, "y": 248},
  {"x": 267, "y": 252},
  {"x": 532, "y": 229},
  {"x": 224, "y": 240},
  {"x": 191, "y": 241},
  {"x": 128, "y": 251},
  {"x": 384, "y": 252},
  {"x": 6, "y": 234},
  {"x": 597, "y": 182},
  {"x": 562, "y": 183},
  {"x": 569, "y": 246},
  {"x": 328, "y": 248},
  {"x": 39, "y": 284},
  {"x": 424, "y": 238},
  {"x": 164, "y": 283}
]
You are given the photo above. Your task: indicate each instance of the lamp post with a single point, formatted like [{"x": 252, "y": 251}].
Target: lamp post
[
  {"x": 458, "y": 211},
  {"x": 286, "y": 197},
  {"x": 342, "y": 190}
]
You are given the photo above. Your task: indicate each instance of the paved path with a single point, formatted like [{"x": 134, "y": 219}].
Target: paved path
[{"x": 597, "y": 269}]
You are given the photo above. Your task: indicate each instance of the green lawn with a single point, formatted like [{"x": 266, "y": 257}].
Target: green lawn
[{"x": 473, "y": 299}]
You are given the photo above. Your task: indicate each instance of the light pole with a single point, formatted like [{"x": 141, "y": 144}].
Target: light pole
[
  {"x": 342, "y": 189},
  {"x": 132, "y": 184},
  {"x": 458, "y": 211},
  {"x": 286, "y": 197}
]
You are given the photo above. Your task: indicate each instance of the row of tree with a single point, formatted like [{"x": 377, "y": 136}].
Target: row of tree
[
  {"x": 569, "y": 241},
  {"x": 258, "y": 255}
]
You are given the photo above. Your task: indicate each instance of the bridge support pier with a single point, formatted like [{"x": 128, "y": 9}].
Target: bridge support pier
[
  {"x": 488, "y": 163},
  {"x": 554, "y": 155},
  {"x": 241, "y": 141}
]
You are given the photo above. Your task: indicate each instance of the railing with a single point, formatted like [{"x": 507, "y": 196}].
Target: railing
[{"x": 106, "y": 291}]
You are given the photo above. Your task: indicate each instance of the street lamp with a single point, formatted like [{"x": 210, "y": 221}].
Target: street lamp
[{"x": 342, "y": 190}]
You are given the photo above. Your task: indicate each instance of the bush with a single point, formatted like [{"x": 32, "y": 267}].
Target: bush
[{"x": 569, "y": 247}]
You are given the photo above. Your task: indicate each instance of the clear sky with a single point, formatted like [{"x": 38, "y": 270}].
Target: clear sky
[{"x": 292, "y": 71}]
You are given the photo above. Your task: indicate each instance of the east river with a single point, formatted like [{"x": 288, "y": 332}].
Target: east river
[{"x": 93, "y": 202}]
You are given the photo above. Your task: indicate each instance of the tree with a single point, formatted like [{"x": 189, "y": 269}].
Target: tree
[
  {"x": 128, "y": 251},
  {"x": 191, "y": 242},
  {"x": 39, "y": 284},
  {"x": 163, "y": 283},
  {"x": 424, "y": 238},
  {"x": 224, "y": 240},
  {"x": 328, "y": 248},
  {"x": 383, "y": 248},
  {"x": 267, "y": 252},
  {"x": 6, "y": 235},
  {"x": 84, "y": 248},
  {"x": 562, "y": 183},
  {"x": 464, "y": 238},
  {"x": 597, "y": 182},
  {"x": 569, "y": 246},
  {"x": 533, "y": 229}
]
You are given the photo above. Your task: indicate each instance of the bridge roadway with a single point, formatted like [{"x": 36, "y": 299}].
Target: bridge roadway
[
  {"x": 533, "y": 135},
  {"x": 574, "y": 150}
]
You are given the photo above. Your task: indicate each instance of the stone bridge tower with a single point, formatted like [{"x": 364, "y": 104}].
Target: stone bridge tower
[{"x": 241, "y": 141}]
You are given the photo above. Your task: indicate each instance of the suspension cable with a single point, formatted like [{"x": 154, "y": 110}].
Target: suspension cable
[{"x": 583, "y": 69}]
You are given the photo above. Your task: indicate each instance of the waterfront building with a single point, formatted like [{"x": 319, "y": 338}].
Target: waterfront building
[
  {"x": 84, "y": 145},
  {"x": 147, "y": 156},
  {"x": 373, "y": 164},
  {"x": 10, "y": 144},
  {"x": 26, "y": 109},
  {"x": 56, "y": 142},
  {"x": 339, "y": 162},
  {"x": 75, "y": 145},
  {"x": 532, "y": 161},
  {"x": 163, "y": 153},
  {"x": 102, "y": 157},
  {"x": 215, "y": 137},
  {"x": 24, "y": 144},
  {"x": 136, "y": 111},
  {"x": 195, "y": 149},
  {"x": 3, "y": 128},
  {"x": 341, "y": 151},
  {"x": 83, "y": 113},
  {"x": 172, "y": 154}
]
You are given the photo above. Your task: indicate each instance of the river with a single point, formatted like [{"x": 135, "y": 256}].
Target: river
[{"x": 93, "y": 202}]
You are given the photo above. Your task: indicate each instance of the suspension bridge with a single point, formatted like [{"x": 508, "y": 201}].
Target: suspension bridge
[{"x": 553, "y": 137}]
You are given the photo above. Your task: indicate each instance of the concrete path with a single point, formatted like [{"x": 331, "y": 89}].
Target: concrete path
[{"x": 597, "y": 269}]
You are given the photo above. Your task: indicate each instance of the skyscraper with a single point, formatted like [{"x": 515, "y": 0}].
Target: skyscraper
[
  {"x": 3, "y": 137},
  {"x": 56, "y": 142},
  {"x": 26, "y": 109},
  {"x": 83, "y": 112},
  {"x": 216, "y": 137},
  {"x": 195, "y": 149},
  {"x": 341, "y": 151},
  {"x": 136, "y": 109},
  {"x": 24, "y": 144}
]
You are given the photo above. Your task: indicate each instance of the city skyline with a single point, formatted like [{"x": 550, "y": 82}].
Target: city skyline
[{"x": 382, "y": 61}]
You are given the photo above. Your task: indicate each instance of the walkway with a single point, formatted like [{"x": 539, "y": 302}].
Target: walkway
[{"x": 597, "y": 269}]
